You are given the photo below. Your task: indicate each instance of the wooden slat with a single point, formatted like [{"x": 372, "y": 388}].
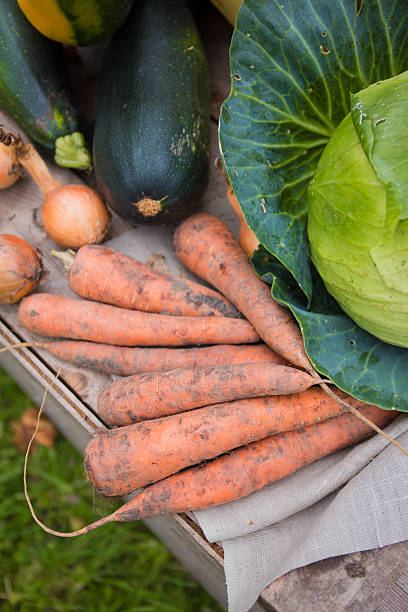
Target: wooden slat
[
  {"x": 63, "y": 406},
  {"x": 396, "y": 598},
  {"x": 348, "y": 583}
]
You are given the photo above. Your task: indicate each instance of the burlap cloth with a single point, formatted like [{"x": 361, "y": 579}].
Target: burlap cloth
[{"x": 353, "y": 500}]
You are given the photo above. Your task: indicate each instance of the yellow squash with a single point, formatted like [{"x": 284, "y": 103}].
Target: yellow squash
[
  {"x": 229, "y": 8},
  {"x": 76, "y": 22}
]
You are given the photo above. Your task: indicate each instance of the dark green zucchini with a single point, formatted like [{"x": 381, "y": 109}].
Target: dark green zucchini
[
  {"x": 151, "y": 139},
  {"x": 35, "y": 87}
]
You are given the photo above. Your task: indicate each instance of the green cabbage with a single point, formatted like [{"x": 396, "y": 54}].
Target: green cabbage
[{"x": 358, "y": 211}]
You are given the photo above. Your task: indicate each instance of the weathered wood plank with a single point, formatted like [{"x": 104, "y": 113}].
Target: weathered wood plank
[
  {"x": 349, "y": 583},
  {"x": 396, "y": 597},
  {"x": 63, "y": 406}
]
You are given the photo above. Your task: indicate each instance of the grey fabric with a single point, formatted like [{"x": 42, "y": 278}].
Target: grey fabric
[{"x": 353, "y": 500}]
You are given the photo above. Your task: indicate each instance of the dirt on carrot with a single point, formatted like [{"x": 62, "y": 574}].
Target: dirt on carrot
[
  {"x": 157, "y": 394},
  {"x": 121, "y": 460},
  {"x": 207, "y": 248},
  {"x": 125, "y": 361},
  {"x": 250, "y": 468},
  {"x": 52, "y": 315},
  {"x": 105, "y": 275}
]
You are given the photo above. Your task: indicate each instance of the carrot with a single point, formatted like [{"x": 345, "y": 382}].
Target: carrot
[
  {"x": 125, "y": 361},
  {"x": 206, "y": 247},
  {"x": 53, "y": 315},
  {"x": 158, "y": 394},
  {"x": 247, "y": 240},
  {"x": 105, "y": 275},
  {"x": 121, "y": 460},
  {"x": 239, "y": 473}
]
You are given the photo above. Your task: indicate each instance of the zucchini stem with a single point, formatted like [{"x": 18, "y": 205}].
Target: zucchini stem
[
  {"x": 71, "y": 152},
  {"x": 148, "y": 207}
]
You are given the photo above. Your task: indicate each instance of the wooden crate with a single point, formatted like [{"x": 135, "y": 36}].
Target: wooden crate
[{"x": 353, "y": 582}]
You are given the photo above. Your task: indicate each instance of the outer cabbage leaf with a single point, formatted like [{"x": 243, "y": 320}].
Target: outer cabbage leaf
[
  {"x": 357, "y": 233},
  {"x": 293, "y": 68},
  {"x": 381, "y": 123}
]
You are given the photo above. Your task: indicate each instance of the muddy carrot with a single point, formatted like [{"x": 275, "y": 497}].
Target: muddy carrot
[
  {"x": 105, "y": 275},
  {"x": 158, "y": 394},
  {"x": 52, "y": 315},
  {"x": 125, "y": 361},
  {"x": 206, "y": 247},
  {"x": 241, "y": 472},
  {"x": 121, "y": 460},
  {"x": 250, "y": 468}
]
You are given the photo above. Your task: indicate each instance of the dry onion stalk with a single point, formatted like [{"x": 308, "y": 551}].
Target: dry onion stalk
[
  {"x": 20, "y": 268},
  {"x": 72, "y": 215}
]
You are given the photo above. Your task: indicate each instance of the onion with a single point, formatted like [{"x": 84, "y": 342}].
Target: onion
[
  {"x": 10, "y": 169},
  {"x": 20, "y": 268},
  {"x": 72, "y": 215}
]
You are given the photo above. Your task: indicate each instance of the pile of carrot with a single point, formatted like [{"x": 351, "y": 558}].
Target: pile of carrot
[{"x": 217, "y": 396}]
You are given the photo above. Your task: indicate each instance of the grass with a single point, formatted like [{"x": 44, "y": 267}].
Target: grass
[{"x": 121, "y": 567}]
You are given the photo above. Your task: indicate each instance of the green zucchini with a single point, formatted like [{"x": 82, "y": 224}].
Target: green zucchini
[
  {"x": 35, "y": 88},
  {"x": 151, "y": 139}
]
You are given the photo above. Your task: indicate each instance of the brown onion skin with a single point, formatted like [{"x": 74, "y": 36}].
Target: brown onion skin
[
  {"x": 74, "y": 216},
  {"x": 20, "y": 268},
  {"x": 10, "y": 169}
]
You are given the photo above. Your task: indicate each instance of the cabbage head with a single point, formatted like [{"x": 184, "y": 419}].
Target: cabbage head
[{"x": 358, "y": 211}]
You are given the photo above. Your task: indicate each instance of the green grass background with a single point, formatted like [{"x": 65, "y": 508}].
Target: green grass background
[{"x": 118, "y": 567}]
